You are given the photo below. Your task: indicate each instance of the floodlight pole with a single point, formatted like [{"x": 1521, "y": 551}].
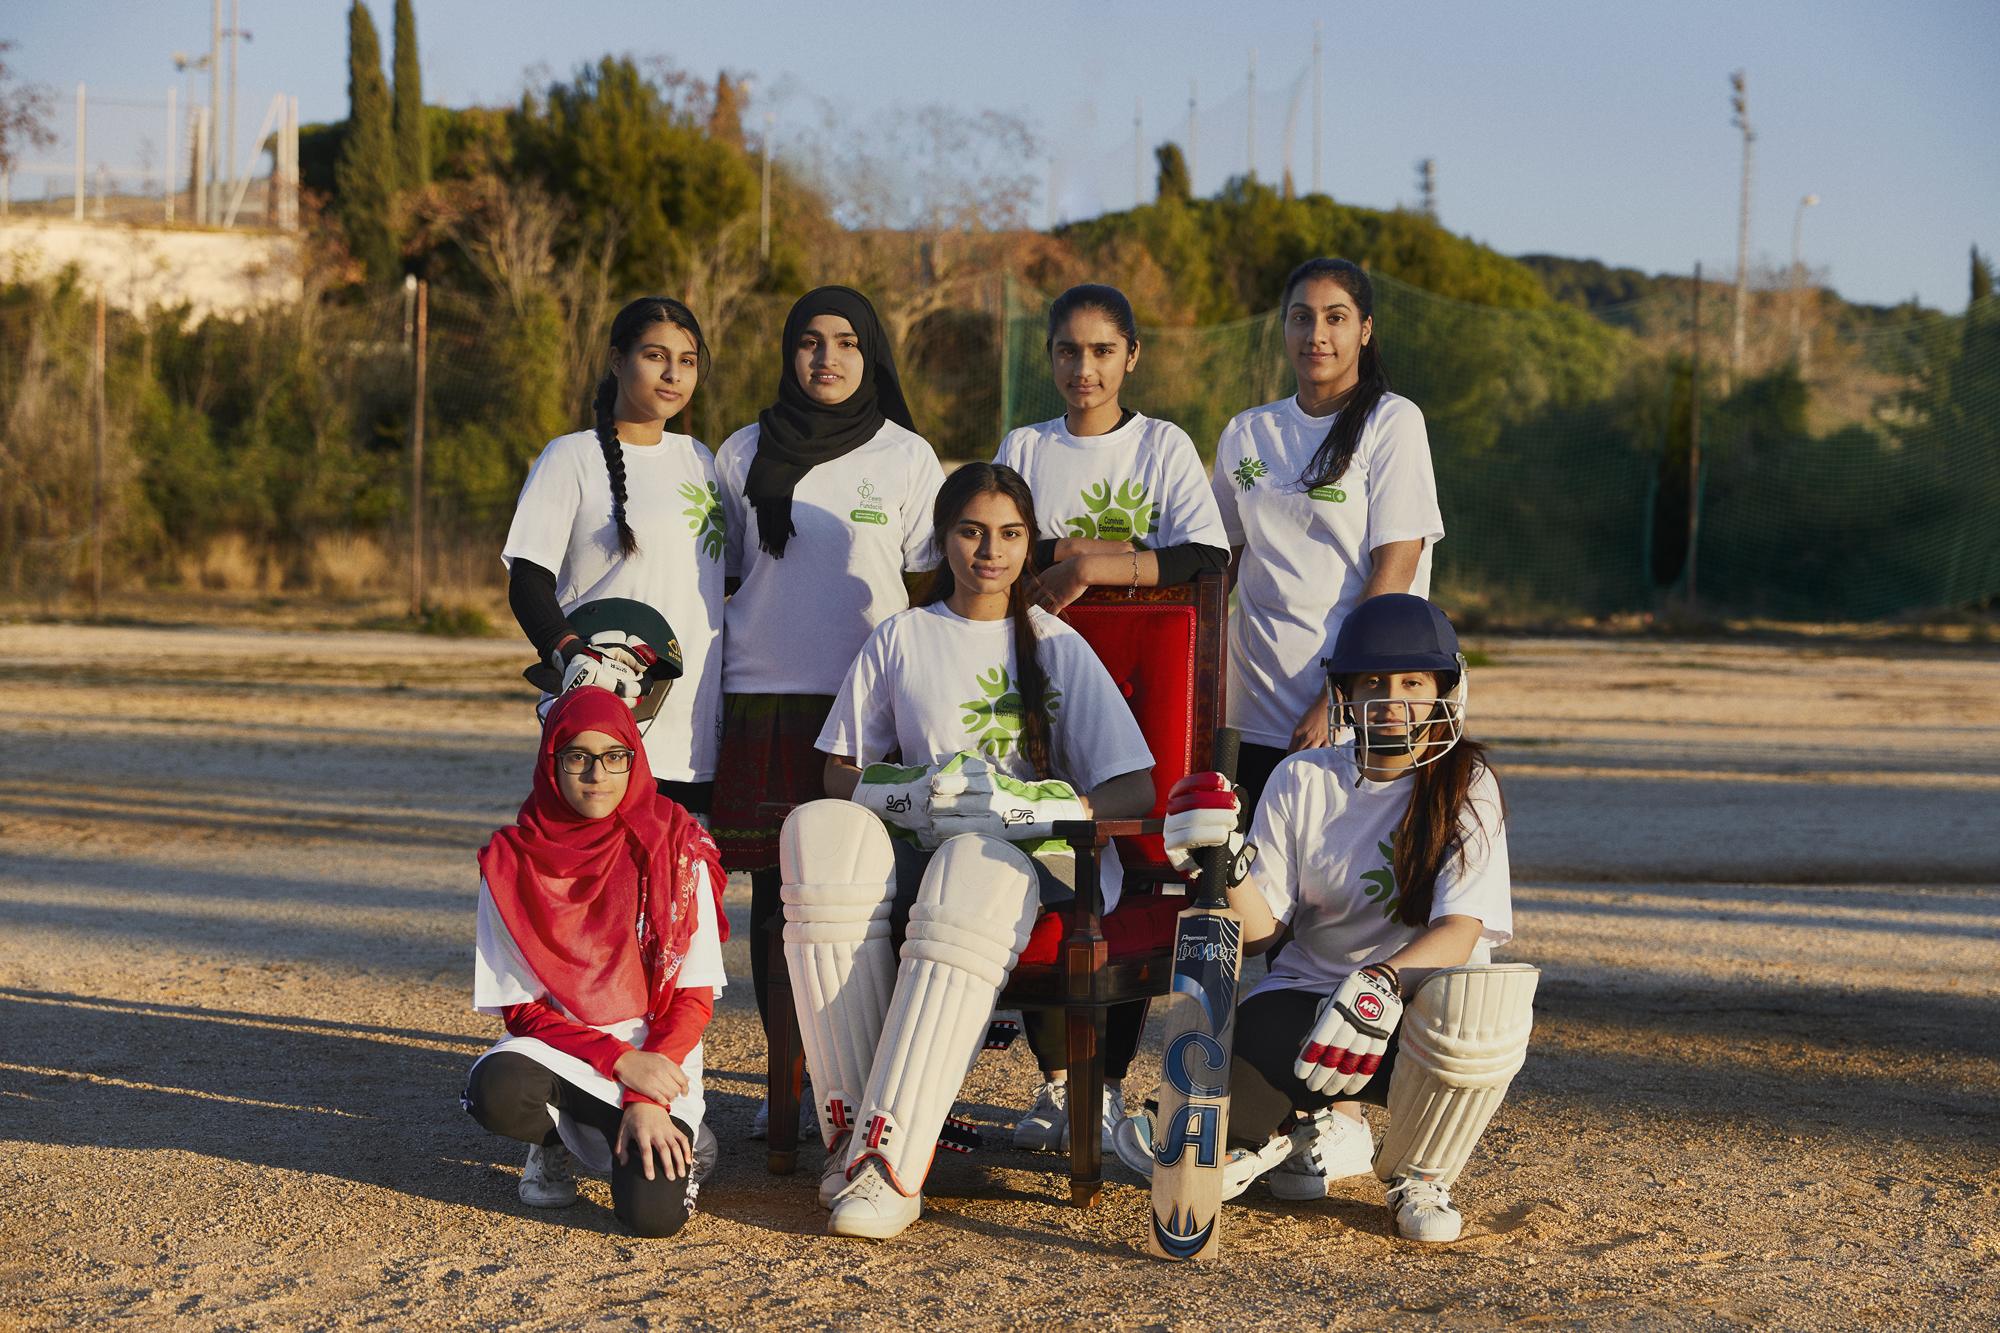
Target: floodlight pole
[{"x": 1694, "y": 440}]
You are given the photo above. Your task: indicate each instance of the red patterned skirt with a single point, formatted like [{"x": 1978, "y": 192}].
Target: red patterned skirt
[{"x": 767, "y": 758}]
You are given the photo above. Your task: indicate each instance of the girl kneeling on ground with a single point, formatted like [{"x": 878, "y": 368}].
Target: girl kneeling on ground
[
  {"x": 1387, "y": 860},
  {"x": 600, "y": 945}
]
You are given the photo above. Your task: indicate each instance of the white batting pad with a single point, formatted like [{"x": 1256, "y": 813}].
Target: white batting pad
[
  {"x": 1463, "y": 1038},
  {"x": 969, "y": 925},
  {"x": 838, "y": 875}
]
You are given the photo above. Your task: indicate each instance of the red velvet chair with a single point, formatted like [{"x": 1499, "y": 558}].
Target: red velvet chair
[{"x": 1163, "y": 648}]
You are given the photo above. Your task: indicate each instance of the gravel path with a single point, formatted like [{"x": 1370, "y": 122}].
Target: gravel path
[{"x": 235, "y": 918}]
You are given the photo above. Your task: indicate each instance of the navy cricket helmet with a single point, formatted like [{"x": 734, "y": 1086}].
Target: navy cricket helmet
[{"x": 1392, "y": 632}]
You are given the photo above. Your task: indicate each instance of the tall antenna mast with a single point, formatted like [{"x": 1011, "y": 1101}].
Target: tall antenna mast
[
  {"x": 1250, "y": 119},
  {"x": 1138, "y": 151},
  {"x": 1318, "y": 110},
  {"x": 1194, "y": 143},
  {"x": 1740, "y": 102}
]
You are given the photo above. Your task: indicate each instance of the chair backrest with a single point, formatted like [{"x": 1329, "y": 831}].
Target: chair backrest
[{"x": 1163, "y": 648}]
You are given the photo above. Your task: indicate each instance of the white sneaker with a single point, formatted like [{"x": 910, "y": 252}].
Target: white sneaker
[
  {"x": 871, "y": 1207},
  {"x": 1045, "y": 1128},
  {"x": 760, "y": 1124},
  {"x": 1423, "y": 1210},
  {"x": 549, "y": 1178},
  {"x": 1114, "y": 1109},
  {"x": 1132, "y": 1141},
  {"x": 833, "y": 1172},
  {"x": 1342, "y": 1147}
]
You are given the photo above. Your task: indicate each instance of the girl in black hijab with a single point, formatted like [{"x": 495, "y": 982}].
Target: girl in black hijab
[{"x": 828, "y": 499}]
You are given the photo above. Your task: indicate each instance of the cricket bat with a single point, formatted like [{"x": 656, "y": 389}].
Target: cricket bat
[{"x": 1189, "y": 1133}]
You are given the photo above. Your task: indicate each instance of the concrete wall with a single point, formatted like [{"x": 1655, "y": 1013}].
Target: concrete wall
[{"x": 214, "y": 272}]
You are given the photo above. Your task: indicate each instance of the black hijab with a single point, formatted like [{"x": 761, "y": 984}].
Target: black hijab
[{"x": 796, "y": 434}]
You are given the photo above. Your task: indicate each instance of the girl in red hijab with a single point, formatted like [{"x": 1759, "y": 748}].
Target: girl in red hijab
[{"x": 600, "y": 945}]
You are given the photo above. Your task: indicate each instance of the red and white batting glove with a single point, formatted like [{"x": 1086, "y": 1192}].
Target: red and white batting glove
[
  {"x": 617, "y": 668},
  {"x": 1346, "y": 1044},
  {"x": 1202, "y": 811}
]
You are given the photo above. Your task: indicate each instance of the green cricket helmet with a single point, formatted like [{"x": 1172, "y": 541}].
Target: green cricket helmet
[{"x": 621, "y": 622}]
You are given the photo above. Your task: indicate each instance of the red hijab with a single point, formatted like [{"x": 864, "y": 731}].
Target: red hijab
[{"x": 601, "y": 909}]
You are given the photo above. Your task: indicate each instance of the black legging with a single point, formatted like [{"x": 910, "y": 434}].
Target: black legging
[
  {"x": 1048, "y": 1037},
  {"x": 1270, "y": 1029},
  {"x": 510, "y": 1094},
  {"x": 766, "y": 911}
]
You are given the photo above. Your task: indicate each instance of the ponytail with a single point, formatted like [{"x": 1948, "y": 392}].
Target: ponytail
[
  {"x": 1434, "y": 829},
  {"x": 1329, "y": 462},
  {"x": 614, "y": 460}
]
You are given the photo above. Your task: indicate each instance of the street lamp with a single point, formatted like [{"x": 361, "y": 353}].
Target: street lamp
[{"x": 1798, "y": 280}]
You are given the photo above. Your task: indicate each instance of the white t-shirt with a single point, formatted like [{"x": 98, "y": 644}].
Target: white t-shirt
[
  {"x": 1142, "y": 480},
  {"x": 860, "y": 521},
  {"x": 1324, "y": 866},
  {"x": 501, "y": 977},
  {"x": 930, "y": 683},
  {"x": 1306, "y": 555},
  {"x": 563, "y": 523}
]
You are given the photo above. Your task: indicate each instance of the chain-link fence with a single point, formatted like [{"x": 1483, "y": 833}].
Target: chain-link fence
[{"x": 272, "y": 454}]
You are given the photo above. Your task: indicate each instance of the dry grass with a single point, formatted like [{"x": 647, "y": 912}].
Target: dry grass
[
  {"x": 344, "y": 565},
  {"x": 231, "y": 563}
]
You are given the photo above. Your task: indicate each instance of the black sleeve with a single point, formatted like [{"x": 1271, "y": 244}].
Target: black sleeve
[
  {"x": 531, "y": 592},
  {"x": 1045, "y": 552},
  {"x": 1183, "y": 564}
]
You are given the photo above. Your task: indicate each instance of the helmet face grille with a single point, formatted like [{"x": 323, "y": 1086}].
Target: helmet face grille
[{"x": 1392, "y": 727}]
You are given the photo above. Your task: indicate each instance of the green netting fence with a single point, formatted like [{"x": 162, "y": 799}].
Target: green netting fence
[
  {"x": 1560, "y": 442},
  {"x": 271, "y": 453}
]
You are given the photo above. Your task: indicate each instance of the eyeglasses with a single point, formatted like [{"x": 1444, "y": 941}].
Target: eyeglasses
[{"x": 579, "y": 761}]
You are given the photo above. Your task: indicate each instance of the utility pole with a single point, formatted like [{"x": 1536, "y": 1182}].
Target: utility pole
[
  {"x": 97, "y": 429},
  {"x": 82, "y": 132},
  {"x": 229, "y": 133},
  {"x": 214, "y": 108},
  {"x": 1799, "y": 281},
  {"x": 422, "y": 357},
  {"x": 1194, "y": 140},
  {"x": 1318, "y": 107},
  {"x": 1138, "y": 151},
  {"x": 1427, "y": 187},
  {"x": 1694, "y": 440},
  {"x": 1740, "y": 102},
  {"x": 167, "y": 168},
  {"x": 764, "y": 195},
  {"x": 1250, "y": 120}
]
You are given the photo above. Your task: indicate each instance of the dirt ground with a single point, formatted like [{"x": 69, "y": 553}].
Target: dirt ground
[{"x": 236, "y": 893}]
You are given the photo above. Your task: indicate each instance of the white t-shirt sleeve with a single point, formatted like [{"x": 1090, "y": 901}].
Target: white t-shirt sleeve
[
  {"x": 1478, "y": 883},
  {"x": 920, "y": 553},
  {"x": 1192, "y": 513},
  {"x": 862, "y": 723},
  {"x": 1402, "y": 488},
  {"x": 1009, "y": 453},
  {"x": 735, "y": 509},
  {"x": 703, "y": 964},
  {"x": 546, "y": 511},
  {"x": 501, "y": 977},
  {"x": 1095, "y": 732},
  {"x": 1222, "y": 485},
  {"x": 1274, "y": 833}
]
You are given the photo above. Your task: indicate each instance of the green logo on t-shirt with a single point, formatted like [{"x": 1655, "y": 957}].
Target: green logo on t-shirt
[
  {"x": 1333, "y": 493},
  {"x": 995, "y": 719},
  {"x": 1247, "y": 471},
  {"x": 1379, "y": 886},
  {"x": 1115, "y": 518},
  {"x": 871, "y": 509},
  {"x": 704, "y": 516}
]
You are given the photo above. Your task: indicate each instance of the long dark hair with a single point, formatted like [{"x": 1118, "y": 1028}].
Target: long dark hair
[
  {"x": 626, "y": 328},
  {"x": 1106, "y": 300},
  {"x": 1336, "y": 451},
  {"x": 1434, "y": 829},
  {"x": 1031, "y": 678}
]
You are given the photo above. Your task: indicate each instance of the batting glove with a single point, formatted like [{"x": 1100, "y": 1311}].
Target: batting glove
[
  {"x": 899, "y": 796},
  {"x": 1347, "y": 1041},
  {"x": 1202, "y": 811},
  {"x": 969, "y": 795}
]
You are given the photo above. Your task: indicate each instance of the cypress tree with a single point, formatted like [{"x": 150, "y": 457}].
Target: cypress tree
[
  {"x": 1982, "y": 276},
  {"x": 1173, "y": 182},
  {"x": 413, "y": 140},
  {"x": 365, "y": 177}
]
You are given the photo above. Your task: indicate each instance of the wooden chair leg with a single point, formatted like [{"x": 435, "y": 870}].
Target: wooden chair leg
[
  {"x": 784, "y": 1071},
  {"x": 1085, "y": 1032}
]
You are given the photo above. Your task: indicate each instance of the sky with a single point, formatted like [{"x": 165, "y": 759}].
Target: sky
[{"x": 1591, "y": 130}]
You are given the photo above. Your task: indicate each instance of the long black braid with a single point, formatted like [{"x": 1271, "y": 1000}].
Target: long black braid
[
  {"x": 626, "y": 329},
  {"x": 614, "y": 460}
]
